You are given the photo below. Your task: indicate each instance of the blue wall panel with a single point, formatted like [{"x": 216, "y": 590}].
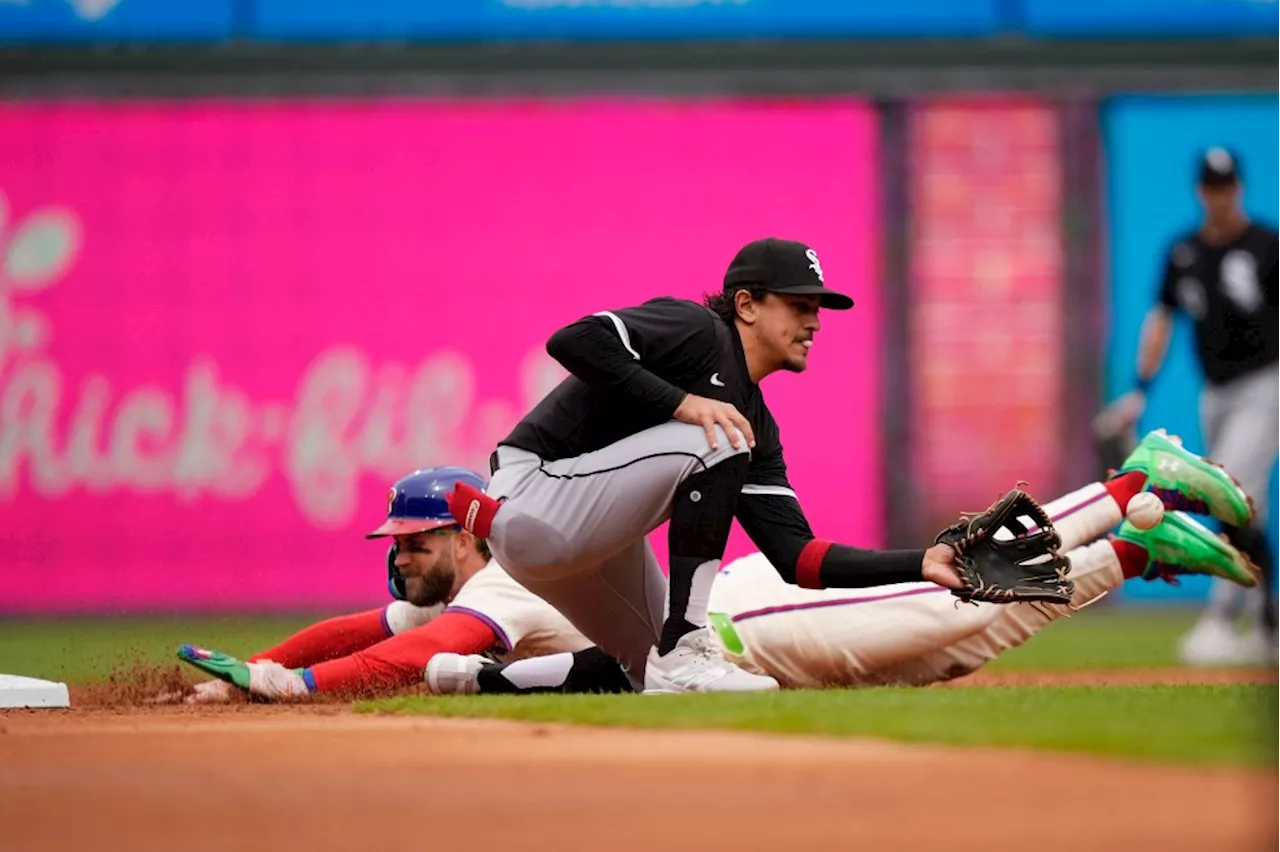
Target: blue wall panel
[
  {"x": 1150, "y": 17},
  {"x": 1151, "y": 146}
]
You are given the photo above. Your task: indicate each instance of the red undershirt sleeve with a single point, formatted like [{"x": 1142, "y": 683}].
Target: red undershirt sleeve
[
  {"x": 399, "y": 661},
  {"x": 329, "y": 639}
]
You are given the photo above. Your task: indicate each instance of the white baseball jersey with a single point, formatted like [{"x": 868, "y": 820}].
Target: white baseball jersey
[
  {"x": 833, "y": 637},
  {"x": 909, "y": 633},
  {"x": 525, "y": 624},
  {"x": 902, "y": 633}
]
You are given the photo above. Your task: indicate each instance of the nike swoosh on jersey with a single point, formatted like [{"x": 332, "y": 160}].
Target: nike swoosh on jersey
[{"x": 715, "y": 380}]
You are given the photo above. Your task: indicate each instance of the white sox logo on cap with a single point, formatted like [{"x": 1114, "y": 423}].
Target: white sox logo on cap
[{"x": 814, "y": 265}]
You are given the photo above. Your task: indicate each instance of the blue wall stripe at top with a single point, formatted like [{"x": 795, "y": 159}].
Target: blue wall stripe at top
[
  {"x": 70, "y": 21},
  {"x": 621, "y": 19}
]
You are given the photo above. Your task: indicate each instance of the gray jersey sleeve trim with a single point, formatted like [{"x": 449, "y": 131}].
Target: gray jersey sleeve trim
[
  {"x": 622, "y": 331},
  {"x": 774, "y": 490}
]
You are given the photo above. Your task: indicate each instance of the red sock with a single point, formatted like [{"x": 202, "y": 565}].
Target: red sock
[
  {"x": 1125, "y": 487},
  {"x": 1133, "y": 557}
]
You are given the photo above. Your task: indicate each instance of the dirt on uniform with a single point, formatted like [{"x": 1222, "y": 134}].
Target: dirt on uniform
[{"x": 318, "y": 778}]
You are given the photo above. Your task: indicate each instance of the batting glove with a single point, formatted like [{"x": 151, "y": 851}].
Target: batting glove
[{"x": 264, "y": 679}]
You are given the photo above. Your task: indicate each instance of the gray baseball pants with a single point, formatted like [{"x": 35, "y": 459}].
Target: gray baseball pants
[
  {"x": 572, "y": 531},
  {"x": 1241, "y": 431}
]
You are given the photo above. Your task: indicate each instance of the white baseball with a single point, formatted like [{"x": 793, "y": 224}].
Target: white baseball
[{"x": 1145, "y": 510}]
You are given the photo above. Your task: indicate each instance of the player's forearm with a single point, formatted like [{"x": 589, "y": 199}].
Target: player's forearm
[
  {"x": 594, "y": 354},
  {"x": 328, "y": 640},
  {"x": 399, "y": 661},
  {"x": 826, "y": 565},
  {"x": 362, "y": 673},
  {"x": 1157, "y": 329},
  {"x": 778, "y": 527},
  {"x": 814, "y": 563}
]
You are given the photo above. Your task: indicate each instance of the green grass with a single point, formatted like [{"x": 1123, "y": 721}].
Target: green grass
[
  {"x": 1101, "y": 638},
  {"x": 1210, "y": 725},
  {"x": 81, "y": 650},
  {"x": 87, "y": 650},
  {"x": 1215, "y": 725}
]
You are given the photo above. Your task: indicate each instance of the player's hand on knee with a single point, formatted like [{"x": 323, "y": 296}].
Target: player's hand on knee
[
  {"x": 709, "y": 413},
  {"x": 939, "y": 567}
]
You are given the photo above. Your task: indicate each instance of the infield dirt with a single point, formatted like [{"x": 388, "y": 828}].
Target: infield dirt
[{"x": 319, "y": 777}]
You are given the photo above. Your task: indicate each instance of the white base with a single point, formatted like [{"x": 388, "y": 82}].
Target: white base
[{"x": 19, "y": 691}]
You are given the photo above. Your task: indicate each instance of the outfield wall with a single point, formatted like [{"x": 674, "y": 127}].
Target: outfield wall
[
  {"x": 985, "y": 274},
  {"x": 227, "y": 327}
]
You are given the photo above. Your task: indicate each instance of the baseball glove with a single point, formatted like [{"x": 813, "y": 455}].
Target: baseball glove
[{"x": 1001, "y": 560}]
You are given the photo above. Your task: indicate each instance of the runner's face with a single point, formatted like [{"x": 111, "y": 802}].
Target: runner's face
[{"x": 426, "y": 561}]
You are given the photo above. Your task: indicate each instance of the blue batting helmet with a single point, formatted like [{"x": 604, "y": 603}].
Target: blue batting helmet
[{"x": 417, "y": 502}]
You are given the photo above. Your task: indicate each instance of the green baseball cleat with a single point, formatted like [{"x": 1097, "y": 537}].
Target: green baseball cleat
[
  {"x": 1186, "y": 482},
  {"x": 1182, "y": 545},
  {"x": 216, "y": 663}
]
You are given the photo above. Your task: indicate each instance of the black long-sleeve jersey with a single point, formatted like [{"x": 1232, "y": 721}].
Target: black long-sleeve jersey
[{"x": 631, "y": 368}]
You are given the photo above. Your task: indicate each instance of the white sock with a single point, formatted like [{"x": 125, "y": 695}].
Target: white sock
[{"x": 700, "y": 593}]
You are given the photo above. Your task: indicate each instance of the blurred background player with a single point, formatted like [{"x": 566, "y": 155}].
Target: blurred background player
[
  {"x": 1223, "y": 276},
  {"x": 450, "y": 596},
  {"x": 915, "y": 633}
]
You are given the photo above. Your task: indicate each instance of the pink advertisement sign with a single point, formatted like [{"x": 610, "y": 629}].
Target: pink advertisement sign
[{"x": 226, "y": 328}]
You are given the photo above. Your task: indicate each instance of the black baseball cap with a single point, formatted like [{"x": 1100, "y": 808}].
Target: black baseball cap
[
  {"x": 782, "y": 266},
  {"x": 1219, "y": 167}
]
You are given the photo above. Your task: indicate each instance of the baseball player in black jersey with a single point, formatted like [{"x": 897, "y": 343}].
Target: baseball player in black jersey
[
  {"x": 1223, "y": 276},
  {"x": 663, "y": 418}
]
